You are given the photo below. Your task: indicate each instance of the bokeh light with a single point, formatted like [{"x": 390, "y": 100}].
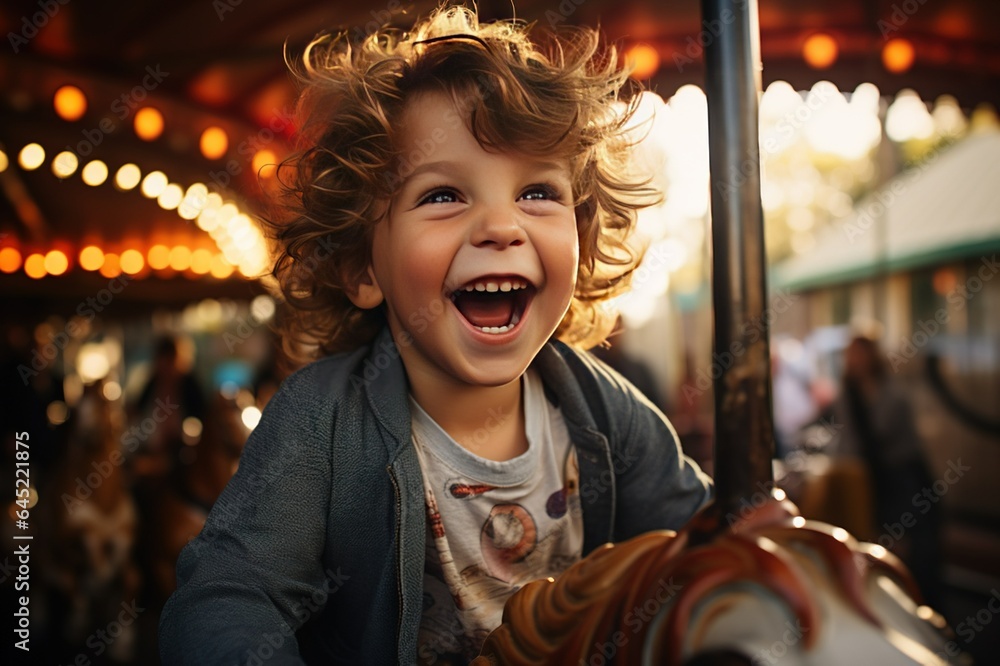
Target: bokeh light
[
  {"x": 10, "y": 260},
  {"x": 214, "y": 143},
  {"x": 201, "y": 261},
  {"x": 154, "y": 183},
  {"x": 131, "y": 261},
  {"x": 265, "y": 163},
  {"x": 148, "y": 123},
  {"x": 128, "y": 177},
  {"x": 111, "y": 267},
  {"x": 898, "y": 55},
  {"x": 221, "y": 269},
  {"x": 820, "y": 51},
  {"x": 170, "y": 197},
  {"x": 70, "y": 103},
  {"x": 65, "y": 164},
  {"x": 34, "y": 266},
  {"x": 56, "y": 262},
  {"x": 91, "y": 258},
  {"x": 644, "y": 61},
  {"x": 158, "y": 257},
  {"x": 31, "y": 157},
  {"x": 180, "y": 258},
  {"x": 95, "y": 173}
]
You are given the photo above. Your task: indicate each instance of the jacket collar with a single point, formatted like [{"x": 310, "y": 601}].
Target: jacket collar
[
  {"x": 386, "y": 388},
  {"x": 384, "y": 378}
]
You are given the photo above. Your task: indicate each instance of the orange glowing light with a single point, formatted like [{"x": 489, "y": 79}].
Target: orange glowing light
[
  {"x": 158, "y": 257},
  {"x": 944, "y": 281},
  {"x": 820, "y": 51},
  {"x": 91, "y": 258},
  {"x": 214, "y": 143},
  {"x": 34, "y": 266},
  {"x": 10, "y": 259},
  {"x": 221, "y": 268},
  {"x": 70, "y": 103},
  {"x": 898, "y": 55},
  {"x": 201, "y": 261},
  {"x": 180, "y": 258},
  {"x": 148, "y": 123},
  {"x": 644, "y": 61},
  {"x": 56, "y": 262},
  {"x": 264, "y": 163},
  {"x": 112, "y": 265},
  {"x": 131, "y": 261}
]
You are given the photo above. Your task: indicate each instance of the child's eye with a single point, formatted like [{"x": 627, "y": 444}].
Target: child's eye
[
  {"x": 439, "y": 196},
  {"x": 541, "y": 192}
]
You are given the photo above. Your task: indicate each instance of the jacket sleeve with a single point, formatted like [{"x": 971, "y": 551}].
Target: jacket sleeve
[
  {"x": 658, "y": 486},
  {"x": 254, "y": 574}
]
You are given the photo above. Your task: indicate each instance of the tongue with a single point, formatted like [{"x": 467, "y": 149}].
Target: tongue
[{"x": 485, "y": 309}]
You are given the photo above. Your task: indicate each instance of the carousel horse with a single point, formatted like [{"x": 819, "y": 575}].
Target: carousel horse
[
  {"x": 766, "y": 587},
  {"x": 203, "y": 468},
  {"x": 92, "y": 530}
]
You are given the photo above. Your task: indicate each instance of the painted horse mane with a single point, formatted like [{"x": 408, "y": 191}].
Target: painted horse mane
[{"x": 708, "y": 593}]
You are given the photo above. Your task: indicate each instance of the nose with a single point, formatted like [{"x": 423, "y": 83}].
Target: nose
[{"x": 498, "y": 228}]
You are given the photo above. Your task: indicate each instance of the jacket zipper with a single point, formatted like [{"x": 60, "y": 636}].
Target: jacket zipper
[{"x": 399, "y": 557}]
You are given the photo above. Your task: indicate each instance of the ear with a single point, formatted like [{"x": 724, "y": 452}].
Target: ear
[{"x": 366, "y": 294}]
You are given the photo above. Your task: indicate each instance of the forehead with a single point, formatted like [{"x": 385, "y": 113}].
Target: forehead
[{"x": 434, "y": 126}]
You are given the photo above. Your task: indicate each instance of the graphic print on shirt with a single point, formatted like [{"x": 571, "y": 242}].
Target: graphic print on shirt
[
  {"x": 559, "y": 501},
  {"x": 461, "y": 490}
]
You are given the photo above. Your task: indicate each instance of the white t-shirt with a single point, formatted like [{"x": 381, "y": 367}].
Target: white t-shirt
[{"x": 492, "y": 526}]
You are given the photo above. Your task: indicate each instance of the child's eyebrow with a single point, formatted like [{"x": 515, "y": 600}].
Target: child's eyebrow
[{"x": 452, "y": 168}]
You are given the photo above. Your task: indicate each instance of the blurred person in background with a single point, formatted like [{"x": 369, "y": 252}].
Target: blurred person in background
[
  {"x": 170, "y": 395},
  {"x": 879, "y": 429},
  {"x": 791, "y": 394}
]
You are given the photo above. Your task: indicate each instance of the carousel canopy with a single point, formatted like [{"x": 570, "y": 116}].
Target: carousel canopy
[{"x": 944, "y": 209}]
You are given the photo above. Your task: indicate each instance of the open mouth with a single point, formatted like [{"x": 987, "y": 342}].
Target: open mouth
[{"x": 493, "y": 305}]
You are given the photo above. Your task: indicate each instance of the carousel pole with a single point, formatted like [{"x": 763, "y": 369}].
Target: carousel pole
[{"x": 744, "y": 437}]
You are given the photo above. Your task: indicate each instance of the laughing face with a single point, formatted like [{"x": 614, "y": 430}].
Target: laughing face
[{"x": 477, "y": 259}]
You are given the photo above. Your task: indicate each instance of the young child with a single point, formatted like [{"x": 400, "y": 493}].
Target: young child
[{"x": 460, "y": 219}]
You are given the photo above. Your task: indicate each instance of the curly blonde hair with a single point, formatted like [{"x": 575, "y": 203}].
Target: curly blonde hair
[{"x": 510, "y": 92}]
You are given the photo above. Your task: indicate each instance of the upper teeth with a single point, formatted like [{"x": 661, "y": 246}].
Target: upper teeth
[{"x": 506, "y": 285}]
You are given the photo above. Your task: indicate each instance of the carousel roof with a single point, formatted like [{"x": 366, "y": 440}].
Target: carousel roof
[{"x": 218, "y": 66}]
